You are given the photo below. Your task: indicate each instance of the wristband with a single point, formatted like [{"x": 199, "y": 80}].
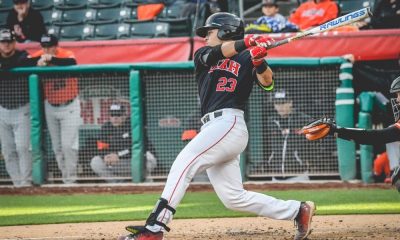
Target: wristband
[
  {"x": 266, "y": 88},
  {"x": 262, "y": 67},
  {"x": 240, "y": 46}
]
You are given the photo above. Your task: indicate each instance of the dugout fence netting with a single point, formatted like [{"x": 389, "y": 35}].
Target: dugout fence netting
[
  {"x": 167, "y": 104},
  {"x": 80, "y": 123},
  {"x": 172, "y": 103}
]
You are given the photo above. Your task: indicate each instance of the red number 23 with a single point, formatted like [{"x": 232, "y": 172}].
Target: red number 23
[{"x": 226, "y": 85}]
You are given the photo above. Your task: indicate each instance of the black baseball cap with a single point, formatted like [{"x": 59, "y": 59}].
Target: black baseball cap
[
  {"x": 281, "y": 96},
  {"x": 116, "y": 110},
  {"x": 269, "y": 3},
  {"x": 6, "y": 35},
  {"x": 48, "y": 40},
  {"x": 20, "y": 1}
]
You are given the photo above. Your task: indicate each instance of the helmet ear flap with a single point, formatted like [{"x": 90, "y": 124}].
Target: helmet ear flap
[
  {"x": 223, "y": 34},
  {"x": 230, "y": 33}
]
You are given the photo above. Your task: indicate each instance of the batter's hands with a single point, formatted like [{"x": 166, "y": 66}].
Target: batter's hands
[
  {"x": 257, "y": 55},
  {"x": 258, "y": 40}
]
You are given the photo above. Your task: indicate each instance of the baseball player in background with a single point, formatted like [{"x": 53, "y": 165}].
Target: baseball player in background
[
  {"x": 225, "y": 69},
  {"x": 14, "y": 112},
  {"x": 62, "y": 106},
  {"x": 371, "y": 137}
]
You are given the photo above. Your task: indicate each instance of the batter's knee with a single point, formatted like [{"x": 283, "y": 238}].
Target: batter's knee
[{"x": 234, "y": 201}]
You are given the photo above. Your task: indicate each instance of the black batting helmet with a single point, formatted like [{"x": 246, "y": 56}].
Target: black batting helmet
[
  {"x": 230, "y": 26},
  {"x": 394, "y": 88}
]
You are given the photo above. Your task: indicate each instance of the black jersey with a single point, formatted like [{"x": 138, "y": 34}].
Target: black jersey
[
  {"x": 226, "y": 84},
  {"x": 11, "y": 84},
  {"x": 118, "y": 139}
]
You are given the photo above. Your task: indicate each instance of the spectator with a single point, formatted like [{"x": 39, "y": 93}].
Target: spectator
[
  {"x": 271, "y": 21},
  {"x": 313, "y": 13},
  {"x": 26, "y": 22},
  {"x": 286, "y": 147},
  {"x": 14, "y": 112},
  {"x": 62, "y": 107},
  {"x": 114, "y": 147}
]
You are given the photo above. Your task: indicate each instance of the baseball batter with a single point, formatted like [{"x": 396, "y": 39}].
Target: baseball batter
[{"x": 226, "y": 70}]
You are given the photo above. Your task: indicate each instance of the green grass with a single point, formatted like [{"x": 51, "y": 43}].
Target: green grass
[{"x": 18, "y": 210}]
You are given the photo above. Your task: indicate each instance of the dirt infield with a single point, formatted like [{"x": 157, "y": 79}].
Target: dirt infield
[
  {"x": 325, "y": 227},
  {"x": 254, "y": 228}
]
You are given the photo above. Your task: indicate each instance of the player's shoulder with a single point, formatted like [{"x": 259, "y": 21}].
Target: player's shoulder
[
  {"x": 202, "y": 50},
  {"x": 65, "y": 53}
]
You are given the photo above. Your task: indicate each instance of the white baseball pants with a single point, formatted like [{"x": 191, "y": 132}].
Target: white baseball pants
[
  {"x": 63, "y": 123},
  {"x": 15, "y": 144},
  {"x": 217, "y": 149}
]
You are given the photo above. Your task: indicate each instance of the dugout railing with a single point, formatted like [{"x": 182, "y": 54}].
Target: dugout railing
[{"x": 162, "y": 102}]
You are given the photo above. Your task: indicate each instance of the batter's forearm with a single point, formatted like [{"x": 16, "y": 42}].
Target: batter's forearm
[{"x": 265, "y": 78}]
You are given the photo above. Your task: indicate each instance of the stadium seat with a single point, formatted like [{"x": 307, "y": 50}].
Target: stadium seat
[
  {"x": 179, "y": 27},
  {"x": 53, "y": 30},
  {"x": 47, "y": 16},
  {"x": 131, "y": 4},
  {"x": 133, "y": 17},
  {"x": 134, "y": 13},
  {"x": 42, "y": 4},
  {"x": 76, "y": 16},
  {"x": 3, "y": 19},
  {"x": 111, "y": 15},
  {"x": 70, "y": 4},
  {"x": 76, "y": 32},
  {"x": 111, "y": 31},
  {"x": 6, "y": 5},
  {"x": 175, "y": 10},
  {"x": 347, "y": 6},
  {"x": 56, "y": 16},
  {"x": 148, "y": 29},
  {"x": 105, "y": 3},
  {"x": 163, "y": 13}
]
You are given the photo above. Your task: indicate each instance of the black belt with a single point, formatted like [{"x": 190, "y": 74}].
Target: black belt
[
  {"x": 207, "y": 118},
  {"x": 62, "y": 104}
]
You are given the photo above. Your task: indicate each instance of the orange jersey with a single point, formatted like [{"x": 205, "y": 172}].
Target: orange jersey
[
  {"x": 59, "y": 91},
  {"x": 310, "y": 14},
  {"x": 381, "y": 165}
]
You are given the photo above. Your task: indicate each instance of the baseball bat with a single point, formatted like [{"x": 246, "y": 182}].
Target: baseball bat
[{"x": 337, "y": 22}]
